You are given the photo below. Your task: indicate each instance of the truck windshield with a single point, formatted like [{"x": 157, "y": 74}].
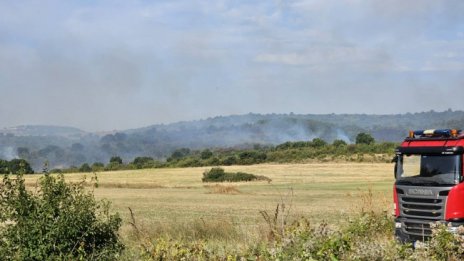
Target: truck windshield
[{"x": 427, "y": 170}]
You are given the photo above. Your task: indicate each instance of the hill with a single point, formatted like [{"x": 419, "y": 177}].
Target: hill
[
  {"x": 66, "y": 146},
  {"x": 43, "y": 130}
]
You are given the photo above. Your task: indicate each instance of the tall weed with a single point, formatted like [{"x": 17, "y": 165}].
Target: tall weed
[{"x": 366, "y": 236}]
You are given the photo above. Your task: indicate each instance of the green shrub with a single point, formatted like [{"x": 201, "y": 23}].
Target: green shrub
[
  {"x": 58, "y": 221},
  {"x": 251, "y": 157},
  {"x": 364, "y": 138},
  {"x": 339, "y": 143},
  {"x": 206, "y": 154},
  {"x": 144, "y": 162},
  {"x": 15, "y": 166},
  {"x": 4, "y": 168},
  {"x": 219, "y": 175},
  {"x": 116, "y": 159},
  {"x": 445, "y": 245},
  {"x": 230, "y": 160},
  {"x": 179, "y": 154},
  {"x": 213, "y": 161},
  {"x": 189, "y": 162},
  {"x": 114, "y": 166},
  {"x": 98, "y": 166},
  {"x": 317, "y": 142},
  {"x": 214, "y": 175},
  {"x": 85, "y": 168}
]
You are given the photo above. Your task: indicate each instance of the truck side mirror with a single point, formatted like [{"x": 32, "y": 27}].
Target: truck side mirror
[{"x": 395, "y": 160}]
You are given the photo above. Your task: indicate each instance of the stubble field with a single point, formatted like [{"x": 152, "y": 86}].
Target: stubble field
[{"x": 177, "y": 204}]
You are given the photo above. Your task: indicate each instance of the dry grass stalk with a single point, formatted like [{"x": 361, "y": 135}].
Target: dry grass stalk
[{"x": 278, "y": 221}]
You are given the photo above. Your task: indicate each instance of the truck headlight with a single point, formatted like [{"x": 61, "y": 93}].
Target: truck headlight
[{"x": 453, "y": 230}]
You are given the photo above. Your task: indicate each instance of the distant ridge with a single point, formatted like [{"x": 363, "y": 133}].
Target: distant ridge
[
  {"x": 65, "y": 146},
  {"x": 42, "y": 130}
]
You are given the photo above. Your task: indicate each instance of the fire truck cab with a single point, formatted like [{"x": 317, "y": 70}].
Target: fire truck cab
[{"x": 429, "y": 183}]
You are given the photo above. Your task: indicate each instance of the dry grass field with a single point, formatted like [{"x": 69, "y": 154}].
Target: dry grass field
[{"x": 175, "y": 201}]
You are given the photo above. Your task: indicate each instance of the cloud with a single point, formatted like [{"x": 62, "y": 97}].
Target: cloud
[
  {"x": 331, "y": 58},
  {"x": 123, "y": 64}
]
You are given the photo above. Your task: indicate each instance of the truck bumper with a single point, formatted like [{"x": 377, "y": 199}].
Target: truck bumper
[{"x": 410, "y": 230}]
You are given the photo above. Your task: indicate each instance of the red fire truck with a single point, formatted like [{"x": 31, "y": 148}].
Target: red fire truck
[{"x": 429, "y": 183}]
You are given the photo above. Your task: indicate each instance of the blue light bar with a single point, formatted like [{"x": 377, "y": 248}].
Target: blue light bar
[
  {"x": 436, "y": 133},
  {"x": 442, "y": 133}
]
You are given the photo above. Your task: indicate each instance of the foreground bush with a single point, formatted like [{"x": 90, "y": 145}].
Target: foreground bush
[
  {"x": 219, "y": 175},
  {"x": 58, "y": 221},
  {"x": 366, "y": 237}
]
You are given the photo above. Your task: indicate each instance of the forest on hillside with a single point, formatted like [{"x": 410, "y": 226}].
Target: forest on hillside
[{"x": 65, "y": 146}]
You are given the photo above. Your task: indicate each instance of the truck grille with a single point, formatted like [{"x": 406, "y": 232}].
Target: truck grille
[{"x": 421, "y": 206}]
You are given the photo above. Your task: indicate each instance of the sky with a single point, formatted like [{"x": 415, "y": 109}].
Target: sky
[{"x": 106, "y": 65}]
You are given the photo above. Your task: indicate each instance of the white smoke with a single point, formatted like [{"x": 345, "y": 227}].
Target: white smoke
[
  {"x": 341, "y": 135},
  {"x": 9, "y": 153}
]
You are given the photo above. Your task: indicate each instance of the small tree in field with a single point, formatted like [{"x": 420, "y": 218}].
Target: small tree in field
[
  {"x": 206, "y": 154},
  {"x": 339, "y": 143},
  {"x": 144, "y": 162},
  {"x": 115, "y": 163},
  {"x": 15, "y": 166},
  {"x": 116, "y": 160},
  {"x": 98, "y": 166},
  {"x": 317, "y": 142},
  {"x": 364, "y": 138},
  {"x": 85, "y": 168}
]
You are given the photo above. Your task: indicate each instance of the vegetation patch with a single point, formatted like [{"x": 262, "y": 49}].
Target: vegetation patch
[{"x": 219, "y": 175}]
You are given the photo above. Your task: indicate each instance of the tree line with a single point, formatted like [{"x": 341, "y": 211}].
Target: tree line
[{"x": 364, "y": 149}]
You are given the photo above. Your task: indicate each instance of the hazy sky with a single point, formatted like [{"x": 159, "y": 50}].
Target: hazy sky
[{"x": 103, "y": 65}]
